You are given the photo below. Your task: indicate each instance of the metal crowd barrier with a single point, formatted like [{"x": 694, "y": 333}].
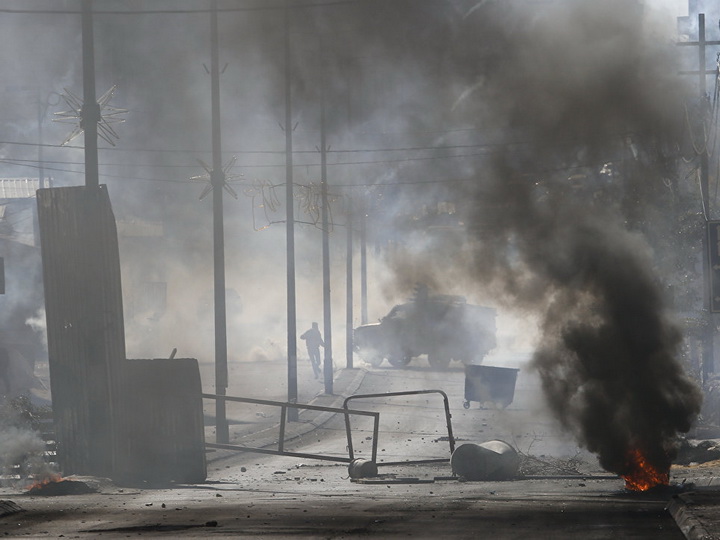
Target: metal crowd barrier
[
  {"x": 284, "y": 406},
  {"x": 376, "y": 434}
]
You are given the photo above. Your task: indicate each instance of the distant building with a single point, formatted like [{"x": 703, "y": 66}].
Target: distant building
[
  {"x": 688, "y": 26},
  {"x": 22, "y": 323},
  {"x": 18, "y": 211}
]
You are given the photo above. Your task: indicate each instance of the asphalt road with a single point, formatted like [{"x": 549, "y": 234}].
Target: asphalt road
[{"x": 250, "y": 495}]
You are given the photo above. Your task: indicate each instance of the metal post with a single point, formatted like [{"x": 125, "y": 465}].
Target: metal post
[
  {"x": 348, "y": 434},
  {"x": 349, "y": 297},
  {"x": 283, "y": 416},
  {"x": 708, "y": 352},
  {"x": 217, "y": 179},
  {"x": 42, "y": 108},
  {"x": 90, "y": 113},
  {"x": 328, "y": 362},
  {"x": 41, "y": 169},
  {"x": 290, "y": 231},
  {"x": 363, "y": 266}
]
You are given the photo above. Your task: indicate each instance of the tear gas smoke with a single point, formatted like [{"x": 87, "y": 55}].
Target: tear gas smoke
[
  {"x": 576, "y": 86},
  {"x": 574, "y": 83},
  {"x": 22, "y": 450}
]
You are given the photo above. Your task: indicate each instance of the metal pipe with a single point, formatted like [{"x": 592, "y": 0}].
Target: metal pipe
[
  {"x": 376, "y": 436},
  {"x": 414, "y": 462},
  {"x": 283, "y": 415},
  {"x": 277, "y": 453},
  {"x": 288, "y": 404},
  {"x": 451, "y": 438},
  {"x": 348, "y": 434}
]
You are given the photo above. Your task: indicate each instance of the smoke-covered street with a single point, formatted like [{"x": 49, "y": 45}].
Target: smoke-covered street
[
  {"x": 440, "y": 268},
  {"x": 565, "y": 494}
]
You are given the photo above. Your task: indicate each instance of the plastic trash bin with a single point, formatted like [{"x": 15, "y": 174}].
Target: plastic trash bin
[{"x": 489, "y": 384}]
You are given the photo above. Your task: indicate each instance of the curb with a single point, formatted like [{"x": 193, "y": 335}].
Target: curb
[{"x": 680, "y": 508}]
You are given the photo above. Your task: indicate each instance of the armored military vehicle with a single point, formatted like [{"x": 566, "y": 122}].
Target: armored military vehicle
[{"x": 445, "y": 327}]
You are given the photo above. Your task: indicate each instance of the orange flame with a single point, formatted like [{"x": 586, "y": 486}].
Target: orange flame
[
  {"x": 39, "y": 484},
  {"x": 643, "y": 475}
]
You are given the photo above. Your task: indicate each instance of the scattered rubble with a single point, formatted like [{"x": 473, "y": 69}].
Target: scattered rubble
[
  {"x": 543, "y": 465},
  {"x": 9, "y": 507},
  {"x": 699, "y": 452}
]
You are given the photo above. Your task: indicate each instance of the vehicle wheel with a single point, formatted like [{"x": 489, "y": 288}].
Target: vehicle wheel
[
  {"x": 399, "y": 360},
  {"x": 438, "y": 361},
  {"x": 466, "y": 405},
  {"x": 374, "y": 360},
  {"x": 469, "y": 358},
  {"x": 370, "y": 356}
]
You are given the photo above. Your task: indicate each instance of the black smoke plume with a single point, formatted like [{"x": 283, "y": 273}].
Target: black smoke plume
[
  {"x": 580, "y": 113},
  {"x": 580, "y": 84}
]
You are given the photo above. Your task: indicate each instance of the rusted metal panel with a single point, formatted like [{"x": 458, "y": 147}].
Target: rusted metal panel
[
  {"x": 159, "y": 422},
  {"x": 85, "y": 328}
]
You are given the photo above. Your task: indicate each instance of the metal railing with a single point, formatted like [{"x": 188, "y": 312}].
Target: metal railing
[
  {"x": 376, "y": 432},
  {"x": 284, "y": 406}
]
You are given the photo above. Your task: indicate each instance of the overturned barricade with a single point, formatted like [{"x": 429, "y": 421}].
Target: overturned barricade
[
  {"x": 284, "y": 407},
  {"x": 375, "y": 437}
]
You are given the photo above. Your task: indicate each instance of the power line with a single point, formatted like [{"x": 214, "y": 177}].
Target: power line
[
  {"x": 361, "y": 184},
  {"x": 300, "y": 165},
  {"x": 330, "y": 151},
  {"x": 37, "y": 145},
  {"x": 329, "y": 3},
  {"x": 150, "y": 165},
  {"x": 30, "y": 163}
]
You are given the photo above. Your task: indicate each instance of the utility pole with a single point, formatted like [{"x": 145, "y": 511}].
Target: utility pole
[
  {"x": 42, "y": 109},
  {"x": 217, "y": 181},
  {"x": 708, "y": 332},
  {"x": 349, "y": 296},
  {"x": 708, "y": 356},
  {"x": 363, "y": 265},
  {"x": 328, "y": 361},
  {"x": 290, "y": 231},
  {"x": 90, "y": 112}
]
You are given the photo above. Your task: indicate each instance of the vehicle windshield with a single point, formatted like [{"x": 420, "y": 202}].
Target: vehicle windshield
[{"x": 398, "y": 313}]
